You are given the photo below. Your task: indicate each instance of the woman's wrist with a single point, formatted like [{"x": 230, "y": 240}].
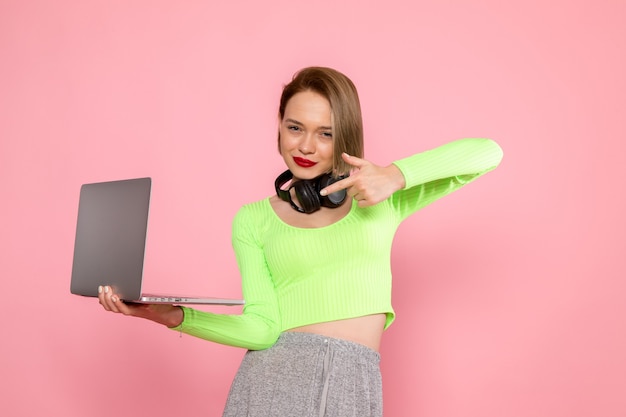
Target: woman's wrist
[
  {"x": 397, "y": 177},
  {"x": 175, "y": 317},
  {"x": 165, "y": 314}
]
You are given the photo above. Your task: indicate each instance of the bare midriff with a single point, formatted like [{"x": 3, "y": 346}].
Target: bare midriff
[{"x": 365, "y": 330}]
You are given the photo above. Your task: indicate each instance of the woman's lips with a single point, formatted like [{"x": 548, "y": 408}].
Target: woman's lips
[{"x": 305, "y": 163}]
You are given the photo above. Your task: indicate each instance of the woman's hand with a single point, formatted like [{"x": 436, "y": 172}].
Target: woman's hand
[
  {"x": 166, "y": 314},
  {"x": 368, "y": 183}
]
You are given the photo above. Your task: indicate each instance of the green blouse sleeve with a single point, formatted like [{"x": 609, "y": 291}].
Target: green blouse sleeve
[
  {"x": 435, "y": 173},
  {"x": 259, "y": 325}
]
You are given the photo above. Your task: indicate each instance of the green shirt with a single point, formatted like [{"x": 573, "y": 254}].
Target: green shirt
[{"x": 297, "y": 276}]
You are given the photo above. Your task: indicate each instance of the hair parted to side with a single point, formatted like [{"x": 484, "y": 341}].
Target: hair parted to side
[{"x": 347, "y": 122}]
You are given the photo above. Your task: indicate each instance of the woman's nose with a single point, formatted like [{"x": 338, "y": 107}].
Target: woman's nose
[{"x": 307, "y": 144}]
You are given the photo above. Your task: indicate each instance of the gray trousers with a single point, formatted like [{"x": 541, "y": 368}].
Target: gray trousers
[{"x": 307, "y": 375}]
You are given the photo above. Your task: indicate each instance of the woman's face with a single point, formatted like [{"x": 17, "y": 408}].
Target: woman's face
[{"x": 306, "y": 141}]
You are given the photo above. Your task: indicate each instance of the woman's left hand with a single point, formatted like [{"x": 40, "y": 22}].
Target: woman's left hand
[{"x": 368, "y": 183}]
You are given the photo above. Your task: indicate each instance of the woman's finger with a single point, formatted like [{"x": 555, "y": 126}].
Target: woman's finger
[
  {"x": 109, "y": 299},
  {"x": 355, "y": 161},
  {"x": 102, "y": 298}
]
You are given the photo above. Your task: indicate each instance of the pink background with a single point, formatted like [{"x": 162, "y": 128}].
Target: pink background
[{"x": 509, "y": 293}]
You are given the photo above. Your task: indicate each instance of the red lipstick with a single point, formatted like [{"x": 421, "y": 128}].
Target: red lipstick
[{"x": 302, "y": 162}]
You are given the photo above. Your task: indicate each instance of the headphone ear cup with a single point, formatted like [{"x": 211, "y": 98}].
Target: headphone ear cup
[
  {"x": 308, "y": 197},
  {"x": 332, "y": 200}
]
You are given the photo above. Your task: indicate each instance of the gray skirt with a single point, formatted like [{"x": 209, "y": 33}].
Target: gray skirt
[{"x": 307, "y": 375}]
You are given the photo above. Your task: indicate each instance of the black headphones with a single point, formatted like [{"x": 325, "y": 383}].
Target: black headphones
[{"x": 308, "y": 192}]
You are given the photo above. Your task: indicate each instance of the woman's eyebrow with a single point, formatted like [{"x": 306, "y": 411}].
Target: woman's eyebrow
[{"x": 295, "y": 122}]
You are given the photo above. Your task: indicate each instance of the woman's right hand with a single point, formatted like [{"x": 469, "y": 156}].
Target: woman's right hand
[{"x": 167, "y": 314}]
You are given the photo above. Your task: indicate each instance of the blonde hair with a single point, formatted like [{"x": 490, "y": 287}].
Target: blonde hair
[{"x": 347, "y": 122}]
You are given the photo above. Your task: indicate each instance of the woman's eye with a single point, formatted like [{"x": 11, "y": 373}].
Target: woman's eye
[
  {"x": 327, "y": 135},
  {"x": 294, "y": 128}
]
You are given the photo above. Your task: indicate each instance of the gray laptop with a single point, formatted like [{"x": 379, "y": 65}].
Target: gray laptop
[{"x": 110, "y": 243}]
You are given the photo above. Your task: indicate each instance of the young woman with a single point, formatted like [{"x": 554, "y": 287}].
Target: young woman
[{"x": 315, "y": 258}]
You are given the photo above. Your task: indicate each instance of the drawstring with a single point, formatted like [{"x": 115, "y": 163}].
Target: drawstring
[{"x": 328, "y": 358}]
